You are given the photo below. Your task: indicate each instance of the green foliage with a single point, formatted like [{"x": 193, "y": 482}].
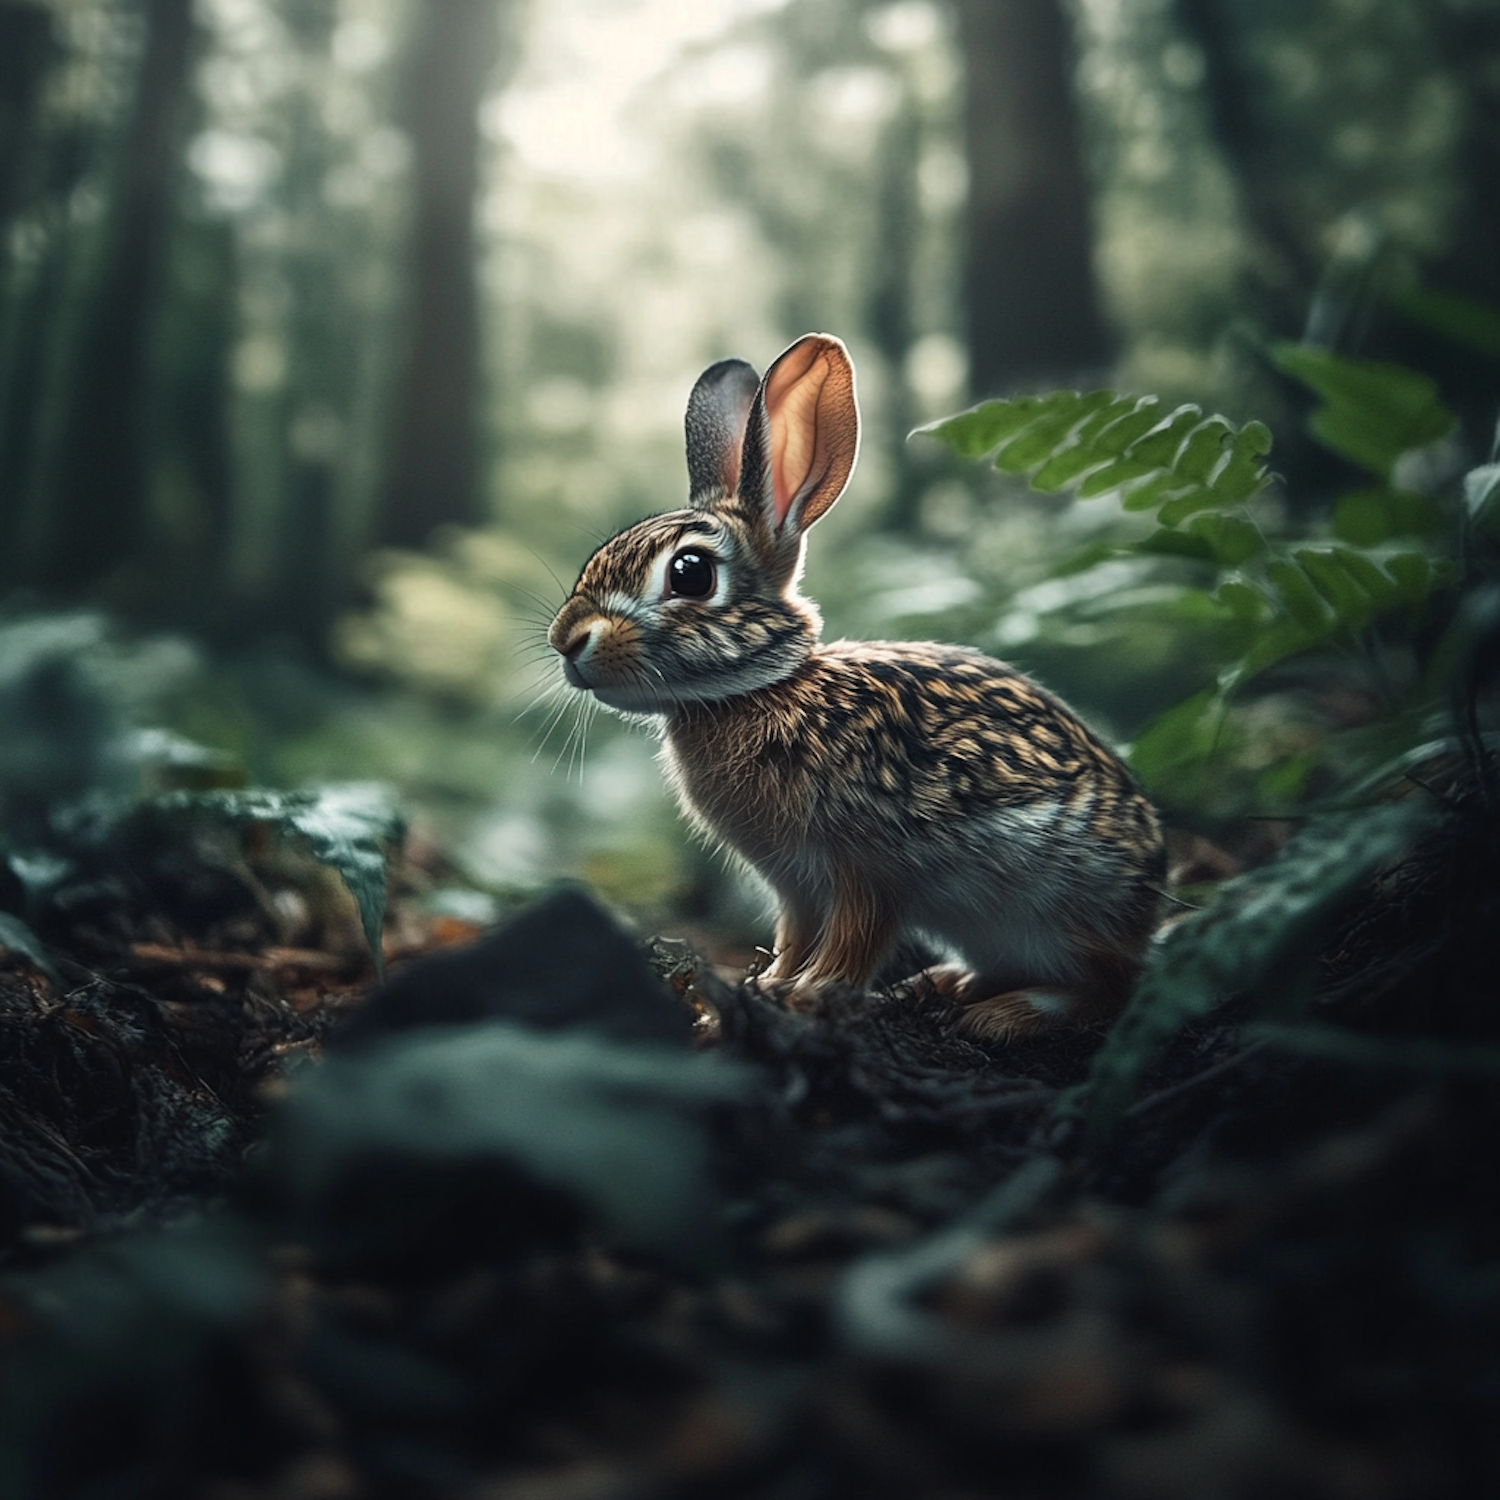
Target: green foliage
[
  {"x": 1265, "y": 591},
  {"x": 1371, "y": 413},
  {"x": 76, "y": 779},
  {"x": 1257, "y": 932},
  {"x": 346, "y": 827},
  {"x": 1177, "y": 463},
  {"x": 64, "y": 723},
  {"x": 617, "y": 1131},
  {"x": 1462, "y": 319}
]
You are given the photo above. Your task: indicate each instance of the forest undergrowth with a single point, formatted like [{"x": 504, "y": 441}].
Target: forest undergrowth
[{"x": 555, "y": 1212}]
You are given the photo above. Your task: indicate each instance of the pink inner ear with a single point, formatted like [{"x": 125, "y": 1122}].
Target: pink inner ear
[
  {"x": 797, "y": 459},
  {"x": 795, "y": 464},
  {"x": 812, "y": 421}
]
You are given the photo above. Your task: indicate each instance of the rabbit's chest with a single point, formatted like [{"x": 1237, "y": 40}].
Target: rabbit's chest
[{"x": 741, "y": 785}]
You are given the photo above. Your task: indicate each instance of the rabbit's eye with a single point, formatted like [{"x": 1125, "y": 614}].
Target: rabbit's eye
[{"x": 690, "y": 575}]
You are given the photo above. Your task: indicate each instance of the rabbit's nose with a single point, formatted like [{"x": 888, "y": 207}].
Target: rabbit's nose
[
  {"x": 569, "y": 634},
  {"x": 575, "y": 644}
]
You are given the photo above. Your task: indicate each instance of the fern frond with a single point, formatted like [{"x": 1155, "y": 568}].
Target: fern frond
[{"x": 1176, "y": 462}]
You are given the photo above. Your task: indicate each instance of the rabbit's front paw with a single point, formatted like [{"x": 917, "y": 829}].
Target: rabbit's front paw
[{"x": 790, "y": 991}]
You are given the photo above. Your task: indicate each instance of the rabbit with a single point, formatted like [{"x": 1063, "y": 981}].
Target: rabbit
[{"x": 882, "y": 789}]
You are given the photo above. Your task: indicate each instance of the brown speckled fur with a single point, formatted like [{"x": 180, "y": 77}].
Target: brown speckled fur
[{"x": 879, "y": 787}]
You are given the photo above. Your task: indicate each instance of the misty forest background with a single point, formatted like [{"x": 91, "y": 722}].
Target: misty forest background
[{"x": 334, "y": 333}]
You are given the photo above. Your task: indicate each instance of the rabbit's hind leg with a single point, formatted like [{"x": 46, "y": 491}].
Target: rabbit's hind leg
[
  {"x": 1008, "y": 1012},
  {"x": 996, "y": 1010},
  {"x": 1018, "y": 1015}
]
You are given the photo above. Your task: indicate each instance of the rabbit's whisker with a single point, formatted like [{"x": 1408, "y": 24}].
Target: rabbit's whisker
[
  {"x": 543, "y": 699},
  {"x": 552, "y": 724}
]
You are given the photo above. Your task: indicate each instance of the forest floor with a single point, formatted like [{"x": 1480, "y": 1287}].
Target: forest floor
[{"x": 555, "y": 1215}]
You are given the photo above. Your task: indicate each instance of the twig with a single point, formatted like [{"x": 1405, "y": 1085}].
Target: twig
[{"x": 159, "y": 955}]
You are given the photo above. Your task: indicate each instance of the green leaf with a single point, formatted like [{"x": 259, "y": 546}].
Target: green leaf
[
  {"x": 1414, "y": 575},
  {"x": 1063, "y": 468},
  {"x": 19, "y": 938},
  {"x": 1371, "y": 412},
  {"x": 349, "y": 827},
  {"x": 504, "y": 1111},
  {"x": 1255, "y": 937},
  {"x": 1039, "y": 439},
  {"x": 1156, "y": 489},
  {"x": 1196, "y": 608},
  {"x": 1352, "y": 605},
  {"x": 346, "y": 826},
  {"x": 1159, "y": 447},
  {"x": 1105, "y": 428},
  {"x": 1379, "y": 585},
  {"x": 1242, "y": 473},
  {"x": 1366, "y": 518},
  {"x": 1182, "y": 506},
  {"x": 1461, "y": 319},
  {"x": 1185, "y": 735},
  {"x": 1275, "y": 643},
  {"x": 1083, "y": 558},
  {"x": 1128, "y": 427},
  {"x": 1231, "y": 539},
  {"x": 1169, "y": 543},
  {"x": 972, "y": 434},
  {"x": 1243, "y": 599},
  {"x": 1281, "y": 784},
  {"x": 1204, "y": 450},
  {"x": 1299, "y": 597}
]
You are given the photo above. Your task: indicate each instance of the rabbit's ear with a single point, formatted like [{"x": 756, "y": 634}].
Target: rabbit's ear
[
  {"x": 717, "y": 412},
  {"x": 804, "y": 432}
]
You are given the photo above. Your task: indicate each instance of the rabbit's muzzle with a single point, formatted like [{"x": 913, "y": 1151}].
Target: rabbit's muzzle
[{"x": 572, "y": 647}]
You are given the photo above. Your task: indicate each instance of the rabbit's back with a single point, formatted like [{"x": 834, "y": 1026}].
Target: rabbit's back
[{"x": 917, "y": 758}]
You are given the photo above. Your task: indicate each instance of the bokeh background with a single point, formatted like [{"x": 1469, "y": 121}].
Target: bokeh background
[{"x": 335, "y": 333}]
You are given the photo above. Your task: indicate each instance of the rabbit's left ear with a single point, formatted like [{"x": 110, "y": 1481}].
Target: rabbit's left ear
[
  {"x": 717, "y": 412},
  {"x": 803, "y": 434}
]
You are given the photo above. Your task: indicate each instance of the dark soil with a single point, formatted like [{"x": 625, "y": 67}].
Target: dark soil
[{"x": 515, "y": 1232}]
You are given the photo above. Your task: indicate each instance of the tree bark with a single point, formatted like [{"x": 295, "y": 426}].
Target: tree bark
[
  {"x": 1032, "y": 303},
  {"x": 26, "y": 52},
  {"x": 433, "y": 475},
  {"x": 98, "y": 512}
]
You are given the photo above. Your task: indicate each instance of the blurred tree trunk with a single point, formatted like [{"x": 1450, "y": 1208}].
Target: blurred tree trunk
[
  {"x": 890, "y": 314},
  {"x": 433, "y": 477},
  {"x": 1032, "y": 304},
  {"x": 26, "y": 51},
  {"x": 96, "y": 520}
]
